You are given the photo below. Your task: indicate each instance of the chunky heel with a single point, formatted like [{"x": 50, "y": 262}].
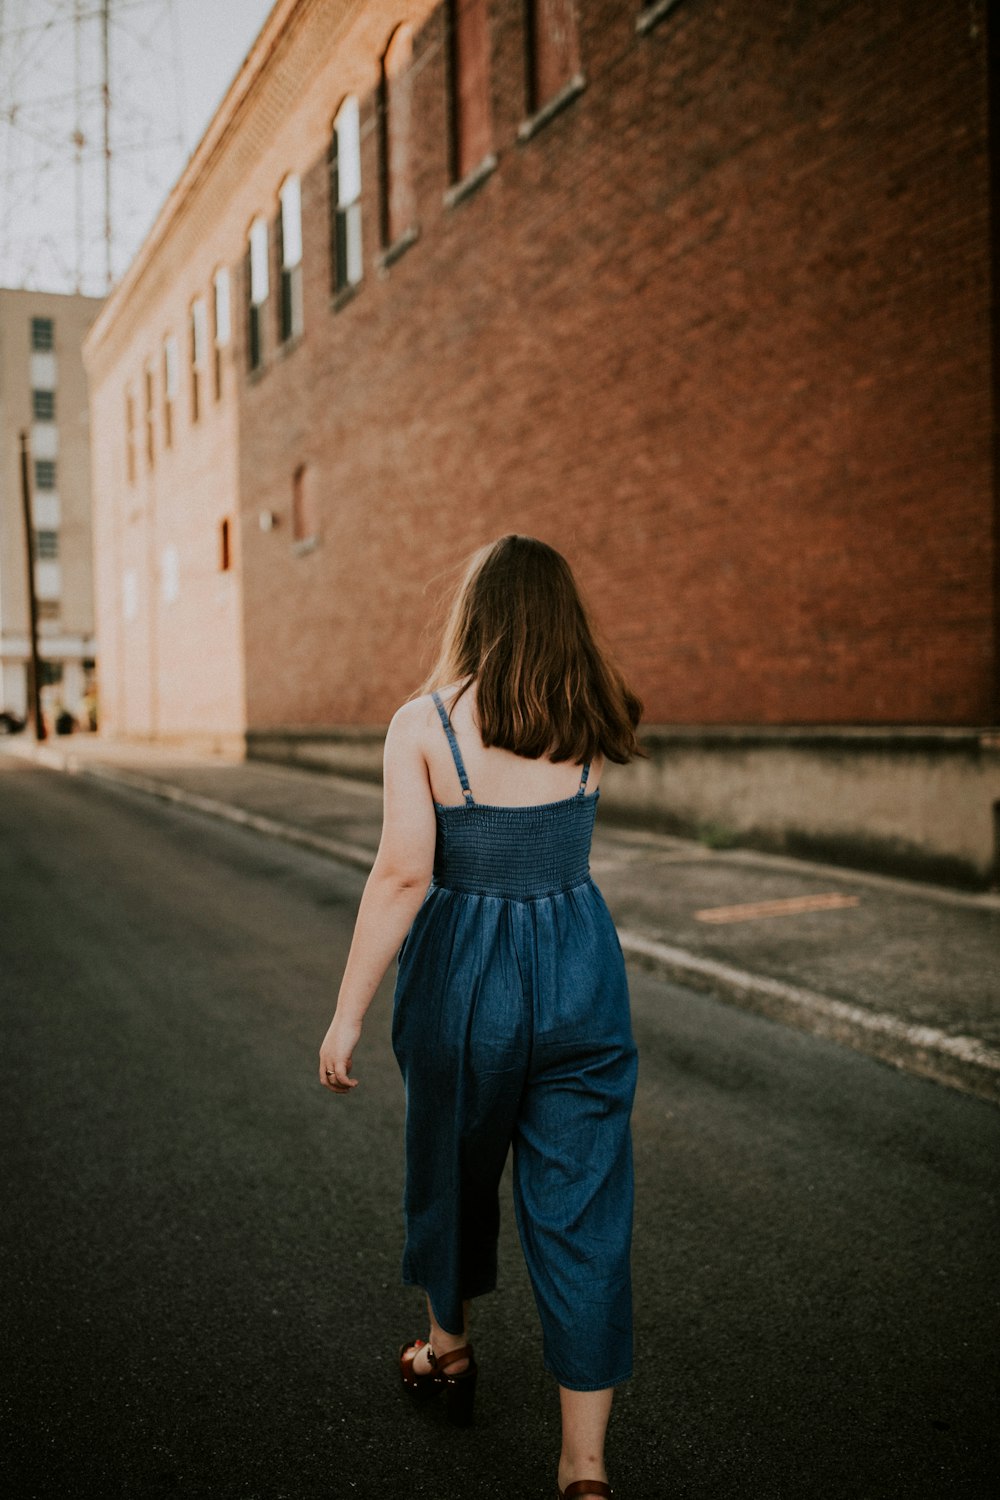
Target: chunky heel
[{"x": 459, "y": 1396}]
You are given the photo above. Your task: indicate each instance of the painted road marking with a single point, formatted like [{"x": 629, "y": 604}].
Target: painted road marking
[{"x": 791, "y": 905}]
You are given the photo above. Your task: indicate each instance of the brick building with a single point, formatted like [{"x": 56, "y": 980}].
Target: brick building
[
  {"x": 43, "y": 393},
  {"x": 697, "y": 291}
]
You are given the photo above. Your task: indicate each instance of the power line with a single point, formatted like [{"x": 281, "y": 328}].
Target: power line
[{"x": 86, "y": 85}]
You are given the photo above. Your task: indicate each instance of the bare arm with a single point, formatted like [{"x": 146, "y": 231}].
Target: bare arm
[{"x": 394, "y": 892}]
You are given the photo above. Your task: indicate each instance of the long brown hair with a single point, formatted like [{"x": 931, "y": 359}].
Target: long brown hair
[{"x": 519, "y": 629}]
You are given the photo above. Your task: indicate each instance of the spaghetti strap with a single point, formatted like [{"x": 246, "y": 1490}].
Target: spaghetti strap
[
  {"x": 583, "y": 779},
  {"x": 456, "y": 754}
]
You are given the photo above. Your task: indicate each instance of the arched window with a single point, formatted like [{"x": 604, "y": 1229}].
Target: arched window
[
  {"x": 471, "y": 116},
  {"x": 398, "y": 205},
  {"x": 345, "y": 196},
  {"x": 290, "y": 242}
]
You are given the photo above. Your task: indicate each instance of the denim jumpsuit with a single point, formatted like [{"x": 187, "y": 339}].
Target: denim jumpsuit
[{"x": 511, "y": 1028}]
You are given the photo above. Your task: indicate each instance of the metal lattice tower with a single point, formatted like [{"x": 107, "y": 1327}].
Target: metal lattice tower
[{"x": 91, "y": 136}]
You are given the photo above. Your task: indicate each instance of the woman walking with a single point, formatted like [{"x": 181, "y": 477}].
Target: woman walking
[{"x": 511, "y": 1020}]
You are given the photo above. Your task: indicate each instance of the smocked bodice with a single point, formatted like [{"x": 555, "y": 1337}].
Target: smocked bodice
[
  {"x": 520, "y": 853},
  {"x": 517, "y": 852}
]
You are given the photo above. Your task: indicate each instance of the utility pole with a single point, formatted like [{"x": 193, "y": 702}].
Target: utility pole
[
  {"x": 35, "y": 683},
  {"x": 85, "y": 87},
  {"x": 106, "y": 135}
]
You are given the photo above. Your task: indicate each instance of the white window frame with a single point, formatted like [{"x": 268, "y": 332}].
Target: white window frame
[
  {"x": 290, "y": 198},
  {"x": 259, "y": 278},
  {"x": 347, "y": 133},
  {"x": 222, "y": 307}
]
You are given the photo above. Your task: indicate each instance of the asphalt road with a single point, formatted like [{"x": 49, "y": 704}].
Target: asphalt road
[{"x": 200, "y": 1246}]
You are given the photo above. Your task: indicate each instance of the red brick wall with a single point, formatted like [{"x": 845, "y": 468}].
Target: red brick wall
[{"x": 719, "y": 331}]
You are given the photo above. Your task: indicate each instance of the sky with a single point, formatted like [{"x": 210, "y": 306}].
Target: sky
[
  {"x": 216, "y": 35},
  {"x": 171, "y": 62}
]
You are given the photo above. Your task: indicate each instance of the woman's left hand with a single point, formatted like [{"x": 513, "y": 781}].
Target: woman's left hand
[{"x": 336, "y": 1055}]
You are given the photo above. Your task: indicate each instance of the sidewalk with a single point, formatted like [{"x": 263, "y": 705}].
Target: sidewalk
[{"x": 905, "y": 972}]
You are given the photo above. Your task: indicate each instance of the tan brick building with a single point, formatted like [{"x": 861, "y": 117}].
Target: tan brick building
[
  {"x": 698, "y": 293},
  {"x": 43, "y": 393}
]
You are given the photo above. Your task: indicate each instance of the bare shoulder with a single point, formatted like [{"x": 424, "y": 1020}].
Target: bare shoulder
[
  {"x": 413, "y": 718},
  {"x": 423, "y": 710}
]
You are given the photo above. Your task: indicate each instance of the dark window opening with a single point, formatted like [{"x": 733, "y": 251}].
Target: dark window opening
[
  {"x": 253, "y": 336},
  {"x": 42, "y": 334},
  {"x": 43, "y": 406}
]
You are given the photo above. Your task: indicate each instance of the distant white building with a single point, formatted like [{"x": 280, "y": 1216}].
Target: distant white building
[{"x": 43, "y": 392}]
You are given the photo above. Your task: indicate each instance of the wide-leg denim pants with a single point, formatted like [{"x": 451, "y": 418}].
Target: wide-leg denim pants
[{"x": 512, "y": 1031}]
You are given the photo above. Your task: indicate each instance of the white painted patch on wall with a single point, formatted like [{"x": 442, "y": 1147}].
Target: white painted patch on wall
[
  {"x": 130, "y": 594},
  {"x": 170, "y": 574}
]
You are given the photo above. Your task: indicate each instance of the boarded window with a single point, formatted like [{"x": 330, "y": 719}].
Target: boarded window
[
  {"x": 398, "y": 203},
  {"x": 553, "y": 49},
  {"x": 471, "y": 119},
  {"x": 305, "y": 519}
]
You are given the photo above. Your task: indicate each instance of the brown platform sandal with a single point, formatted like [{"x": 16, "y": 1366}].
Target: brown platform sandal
[
  {"x": 585, "y": 1487},
  {"x": 459, "y": 1389}
]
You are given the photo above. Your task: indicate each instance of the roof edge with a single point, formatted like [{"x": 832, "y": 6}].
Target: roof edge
[{"x": 198, "y": 163}]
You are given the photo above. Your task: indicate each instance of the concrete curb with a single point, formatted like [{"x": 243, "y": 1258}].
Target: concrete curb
[
  {"x": 351, "y": 854},
  {"x": 958, "y": 1062}
]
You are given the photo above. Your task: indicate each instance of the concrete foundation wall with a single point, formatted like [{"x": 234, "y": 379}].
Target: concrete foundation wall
[{"x": 916, "y": 802}]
